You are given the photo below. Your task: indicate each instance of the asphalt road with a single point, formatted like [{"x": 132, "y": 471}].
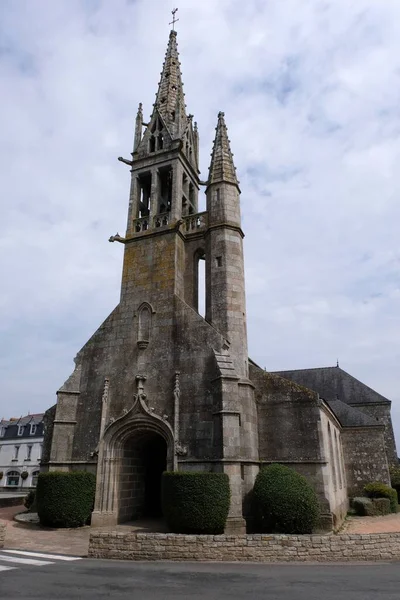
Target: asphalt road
[{"x": 95, "y": 579}]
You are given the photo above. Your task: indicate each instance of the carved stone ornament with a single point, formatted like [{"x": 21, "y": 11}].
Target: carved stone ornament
[
  {"x": 139, "y": 406},
  {"x": 142, "y": 344},
  {"x": 180, "y": 450}
]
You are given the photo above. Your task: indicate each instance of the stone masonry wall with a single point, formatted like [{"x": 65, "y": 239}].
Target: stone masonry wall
[
  {"x": 254, "y": 548},
  {"x": 382, "y": 414},
  {"x": 364, "y": 457},
  {"x": 132, "y": 487},
  {"x": 2, "y": 534}
]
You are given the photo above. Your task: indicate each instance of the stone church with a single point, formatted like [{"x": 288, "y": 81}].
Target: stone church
[{"x": 160, "y": 387}]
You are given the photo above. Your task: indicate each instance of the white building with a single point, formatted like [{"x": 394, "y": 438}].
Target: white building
[{"x": 21, "y": 442}]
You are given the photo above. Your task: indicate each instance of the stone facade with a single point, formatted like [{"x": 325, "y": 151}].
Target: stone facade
[
  {"x": 160, "y": 387},
  {"x": 21, "y": 442},
  {"x": 253, "y": 548},
  {"x": 363, "y": 463},
  {"x": 382, "y": 415},
  {"x": 333, "y": 384}
]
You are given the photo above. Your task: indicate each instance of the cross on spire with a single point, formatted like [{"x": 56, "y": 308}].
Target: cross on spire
[{"x": 174, "y": 11}]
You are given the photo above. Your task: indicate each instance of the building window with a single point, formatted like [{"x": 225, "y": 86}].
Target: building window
[
  {"x": 20, "y": 429},
  {"x": 33, "y": 428},
  {"x": 199, "y": 284},
  {"x": 35, "y": 476},
  {"x": 13, "y": 478},
  {"x": 16, "y": 452},
  {"x": 28, "y": 452}
]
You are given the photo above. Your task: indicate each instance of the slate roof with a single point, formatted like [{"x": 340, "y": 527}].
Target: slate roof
[
  {"x": 333, "y": 383},
  {"x": 11, "y": 426},
  {"x": 348, "y": 416}
]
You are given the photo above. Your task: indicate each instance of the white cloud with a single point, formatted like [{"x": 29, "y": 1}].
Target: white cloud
[{"x": 311, "y": 98}]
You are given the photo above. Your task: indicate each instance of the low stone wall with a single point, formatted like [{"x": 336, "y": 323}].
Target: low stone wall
[
  {"x": 255, "y": 548},
  {"x": 7, "y": 501},
  {"x": 2, "y": 534}
]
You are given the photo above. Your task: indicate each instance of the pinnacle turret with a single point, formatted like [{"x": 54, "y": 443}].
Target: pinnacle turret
[
  {"x": 170, "y": 99},
  {"x": 222, "y": 168},
  {"x": 138, "y": 128}
]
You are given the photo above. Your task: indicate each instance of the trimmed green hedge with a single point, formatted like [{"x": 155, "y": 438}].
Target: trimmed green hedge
[
  {"x": 195, "y": 503},
  {"x": 284, "y": 501},
  {"x": 363, "y": 507},
  {"x": 371, "y": 507},
  {"x": 395, "y": 479},
  {"x": 376, "y": 489},
  {"x": 65, "y": 499},
  {"x": 381, "y": 506}
]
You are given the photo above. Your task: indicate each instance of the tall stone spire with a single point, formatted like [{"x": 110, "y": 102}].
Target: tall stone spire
[
  {"x": 170, "y": 99},
  {"x": 222, "y": 168}
]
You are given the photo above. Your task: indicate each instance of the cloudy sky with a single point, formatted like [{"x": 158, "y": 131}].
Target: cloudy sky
[{"x": 311, "y": 94}]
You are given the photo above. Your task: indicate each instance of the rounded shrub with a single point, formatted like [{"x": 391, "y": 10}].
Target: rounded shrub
[
  {"x": 195, "y": 503},
  {"x": 376, "y": 489},
  {"x": 65, "y": 499},
  {"x": 284, "y": 501}
]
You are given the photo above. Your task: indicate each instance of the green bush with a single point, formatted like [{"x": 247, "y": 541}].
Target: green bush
[
  {"x": 376, "y": 489},
  {"x": 284, "y": 501},
  {"x": 65, "y": 499},
  {"x": 195, "y": 502},
  {"x": 381, "y": 506},
  {"x": 363, "y": 507},
  {"x": 371, "y": 507},
  {"x": 29, "y": 501},
  {"x": 395, "y": 479}
]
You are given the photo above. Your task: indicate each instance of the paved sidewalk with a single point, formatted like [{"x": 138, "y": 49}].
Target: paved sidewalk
[
  {"x": 76, "y": 541},
  {"x": 386, "y": 524},
  {"x": 63, "y": 541},
  {"x": 41, "y": 539}
]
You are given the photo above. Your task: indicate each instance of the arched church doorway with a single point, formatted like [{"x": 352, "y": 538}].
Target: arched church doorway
[{"x": 144, "y": 458}]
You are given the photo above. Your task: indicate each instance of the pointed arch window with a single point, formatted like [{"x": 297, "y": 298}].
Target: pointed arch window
[
  {"x": 332, "y": 457},
  {"x": 156, "y": 141},
  {"x": 145, "y": 315},
  {"x": 199, "y": 283}
]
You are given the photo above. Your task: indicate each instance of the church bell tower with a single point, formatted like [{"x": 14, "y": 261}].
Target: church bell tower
[{"x": 157, "y": 379}]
